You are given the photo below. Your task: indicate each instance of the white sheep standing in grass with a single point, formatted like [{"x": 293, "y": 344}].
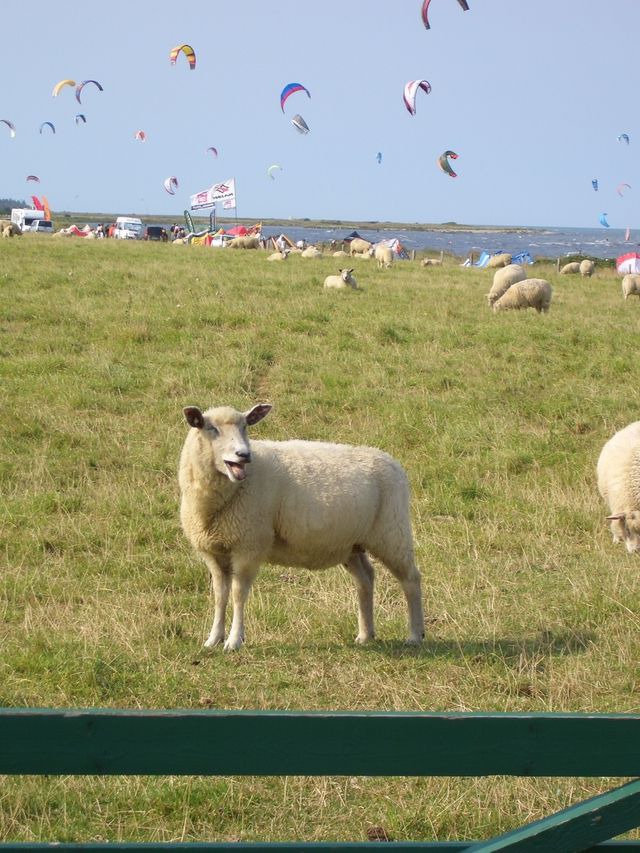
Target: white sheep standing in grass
[
  {"x": 384, "y": 257},
  {"x": 570, "y": 269},
  {"x": 587, "y": 267},
  {"x": 530, "y": 293},
  {"x": 501, "y": 260},
  {"x": 345, "y": 279},
  {"x": 631, "y": 285},
  {"x": 305, "y": 504},
  {"x": 358, "y": 246},
  {"x": 618, "y": 472},
  {"x": 503, "y": 278}
]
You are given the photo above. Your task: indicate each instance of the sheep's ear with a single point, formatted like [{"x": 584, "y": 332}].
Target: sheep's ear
[
  {"x": 619, "y": 517},
  {"x": 193, "y": 416},
  {"x": 260, "y": 411},
  {"x": 351, "y": 270}
]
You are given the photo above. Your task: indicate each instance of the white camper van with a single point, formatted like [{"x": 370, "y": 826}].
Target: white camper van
[
  {"x": 128, "y": 228},
  {"x": 31, "y": 220}
]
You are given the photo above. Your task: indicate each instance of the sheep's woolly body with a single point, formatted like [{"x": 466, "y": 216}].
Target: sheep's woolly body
[
  {"x": 501, "y": 260},
  {"x": 340, "y": 282},
  {"x": 587, "y": 268},
  {"x": 530, "y": 293},
  {"x": 358, "y": 246},
  {"x": 300, "y": 504},
  {"x": 570, "y": 269},
  {"x": 631, "y": 285},
  {"x": 311, "y": 252},
  {"x": 618, "y": 472},
  {"x": 503, "y": 278},
  {"x": 384, "y": 257}
]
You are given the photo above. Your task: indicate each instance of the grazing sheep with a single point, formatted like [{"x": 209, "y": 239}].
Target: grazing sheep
[
  {"x": 311, "y": 252},
  {"x": 570, "y": 269},
  {"x": 631, "y": 285},
  {"x": 279, "y": 256},
  {"x": 384, "y": 257},
  {"x": 587, "y": 267},
  {"x": 248, "y": 242},
  {"x": 501, "y": 260},
  {"x": 345, "y": 279},
  {"x": 530, "y": 293},
  {"x": 431, "y": 262},
  {"x": 618, "y": 472},
  {"x": 10, "y": 229},
  {"x": 358, "y": 246},
  {"x": 305, "y": 504},
  {"x": 503, "y": 278}
]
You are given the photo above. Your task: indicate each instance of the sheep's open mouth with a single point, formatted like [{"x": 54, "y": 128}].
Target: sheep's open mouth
[{"x": 236, "y": 470}]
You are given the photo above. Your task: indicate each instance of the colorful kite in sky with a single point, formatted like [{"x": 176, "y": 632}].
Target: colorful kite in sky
[
  {"x": 188, "y": 51},
  {"x": 410, "y": 92},
  {"x": 289, "y": 89}
]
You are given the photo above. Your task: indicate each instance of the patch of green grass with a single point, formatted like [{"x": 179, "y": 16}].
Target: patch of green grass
[{"x": 498, "y": 420}]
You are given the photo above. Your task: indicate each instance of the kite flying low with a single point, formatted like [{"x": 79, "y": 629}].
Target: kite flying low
[{"x": 443, "y": 162}]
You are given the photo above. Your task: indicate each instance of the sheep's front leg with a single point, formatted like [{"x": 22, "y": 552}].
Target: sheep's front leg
[
  {"x": 221, "y": 583},
  {"x": 361, "y": 570},
  {"x": 242, "y": 579}
]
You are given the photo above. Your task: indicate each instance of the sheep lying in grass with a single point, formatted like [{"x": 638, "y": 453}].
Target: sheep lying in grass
[
  {"x": 503, "y": 278},
  {"x": 587, "y": 268},
  {"x": 345, "y": 279},
  {"x": 307, "y": 504},
  {"x": 384, "y": 257},
  {"x": 311, "y": 252},
  {"x": 631, "y": 285},
  {"x": 501, "y": 260},
  {"x": 618, "y": 472},
  {"x": 340, "y": 254},
  {"x": 431, "y": 262},
  {"x": 570, "y": 269},
  {"x": 279, "y": 256},
  {"x": 358, "y": 246},
  {"x": 530, "y": 293}
]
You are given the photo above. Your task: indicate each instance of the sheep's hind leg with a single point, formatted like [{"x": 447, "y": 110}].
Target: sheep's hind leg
[
  {"x": 405, "y": 571},
  {"x": 221, "y": 583},
  {"x": 361, "y": 570}
]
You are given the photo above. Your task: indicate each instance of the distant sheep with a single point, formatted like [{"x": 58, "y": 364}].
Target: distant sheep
[
  {"x": 311, "y": 252},
  {"x": 501, "y": 260},
  {"x": 279, "y": 256},
  {"x": 345, "y": 279},
  {"x": 570, "y": 269},
  {"x": 431, "y": 262},
  {"x": 503, "y": 278},
  {"x": 631, "y": 285},
  {"x": 618, "y": 472},
  {"x": 10, "y": 229},
  {"x": 246, "y": 242},
  {"x": 587, "y": 268},
  {"x": 530, "y": 293},
  {"x": 340, "y": 254},
  {"x": 358, "y": 246},
  {"x": 384, "y": 256},
  {"x": 304, "y": 504}
]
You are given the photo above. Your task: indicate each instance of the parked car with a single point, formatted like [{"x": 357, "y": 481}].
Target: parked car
[{"x": 156, "y": 232}]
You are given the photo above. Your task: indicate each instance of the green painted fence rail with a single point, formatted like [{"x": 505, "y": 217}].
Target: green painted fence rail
[{"x": 247, "y": 743}]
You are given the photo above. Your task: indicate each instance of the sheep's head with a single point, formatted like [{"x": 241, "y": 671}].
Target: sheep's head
[
  {"x": 347, "y": 277},
  {"x": 625, "y": 527},
  {"x": 225, "y": 431}
]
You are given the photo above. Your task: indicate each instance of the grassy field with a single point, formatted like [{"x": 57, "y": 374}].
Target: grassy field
[{"x": 498, "y": 420}]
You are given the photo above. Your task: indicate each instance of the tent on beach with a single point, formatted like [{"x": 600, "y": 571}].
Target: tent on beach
[{"x": 628, "y": 263}]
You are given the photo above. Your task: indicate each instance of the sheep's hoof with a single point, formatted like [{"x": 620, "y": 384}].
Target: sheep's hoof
[
  {"x": 233, "y": 645},
  {"x": 414, "y": 641},
  {"x": 361, "y": 639}
]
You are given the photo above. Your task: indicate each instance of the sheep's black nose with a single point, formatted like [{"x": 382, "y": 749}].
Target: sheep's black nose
[{"x": 244, "y": 454}]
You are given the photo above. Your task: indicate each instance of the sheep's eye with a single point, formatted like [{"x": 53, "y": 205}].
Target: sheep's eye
[{"x": 212, "y": 429}]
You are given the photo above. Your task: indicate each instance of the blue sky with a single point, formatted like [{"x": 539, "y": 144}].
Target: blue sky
[{"x": 531, "y": 94}]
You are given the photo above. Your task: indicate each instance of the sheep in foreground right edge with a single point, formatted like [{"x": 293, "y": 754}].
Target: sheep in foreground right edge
[
  {"x": 503, "y": 278},
  {"x": 345, "y": 279},
  {"x": 530, "y": 293},
  {"x": 618, "y": 472},
  {"x": 305, "y": 504},
  {"x": 631, "y": 285}
]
